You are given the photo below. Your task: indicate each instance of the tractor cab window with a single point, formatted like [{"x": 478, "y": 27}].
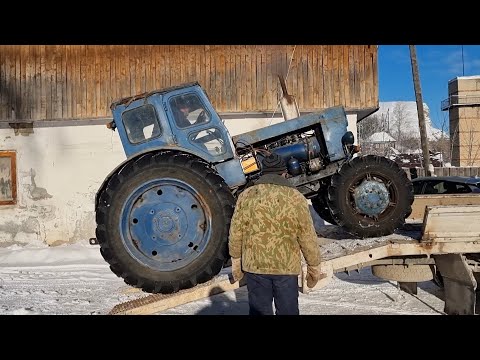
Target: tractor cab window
[
  {"x": 141, "y": 123},
  {"x": 209, "y": 140},
  {"x": 188, "y": 110}
]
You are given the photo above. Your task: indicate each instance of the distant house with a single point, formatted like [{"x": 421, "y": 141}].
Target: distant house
[{"x": 379, "y": 142}]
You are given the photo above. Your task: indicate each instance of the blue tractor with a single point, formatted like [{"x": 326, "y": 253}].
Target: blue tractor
[{"x": 163, "y": 215}]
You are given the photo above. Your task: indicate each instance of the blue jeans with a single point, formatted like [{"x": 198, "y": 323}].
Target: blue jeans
[{"x": 265, "y": 289}]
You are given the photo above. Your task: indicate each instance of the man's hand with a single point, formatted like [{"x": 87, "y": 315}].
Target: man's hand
[
  {"x": 237, "y": 269},
  {"x": 314, "y": 275}
]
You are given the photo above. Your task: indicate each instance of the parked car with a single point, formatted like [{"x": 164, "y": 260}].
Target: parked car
[{"x": 446, "y": 185}]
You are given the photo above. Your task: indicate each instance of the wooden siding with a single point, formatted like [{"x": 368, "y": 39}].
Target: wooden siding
[{"x": 80, "y": 81}]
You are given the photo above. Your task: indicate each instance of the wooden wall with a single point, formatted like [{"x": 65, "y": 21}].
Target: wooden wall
[{"x": 79, "y": 82}]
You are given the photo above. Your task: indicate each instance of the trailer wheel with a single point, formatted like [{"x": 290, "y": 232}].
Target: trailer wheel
[
  {"x": 163, "y": 222},
  {"x": 370, "y": 196}
]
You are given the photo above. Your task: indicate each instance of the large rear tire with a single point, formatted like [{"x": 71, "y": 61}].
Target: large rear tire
[
  {"x": 163, "y": 222},
  {"x": 370, "y": 196}
]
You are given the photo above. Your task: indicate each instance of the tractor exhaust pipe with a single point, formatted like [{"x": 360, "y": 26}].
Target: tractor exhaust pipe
[{"x": 288, "y": 102}]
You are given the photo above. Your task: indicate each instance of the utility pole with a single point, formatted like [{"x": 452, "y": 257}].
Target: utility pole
[{"x": 421, "y": 114}]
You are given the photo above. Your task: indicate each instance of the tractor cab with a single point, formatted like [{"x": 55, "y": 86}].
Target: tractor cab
[{"x": 180, "y": 117}]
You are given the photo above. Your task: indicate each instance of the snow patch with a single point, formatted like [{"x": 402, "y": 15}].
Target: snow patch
[
  {"x": 473, "y": 77},
  {"x": 26, "y": 256}
]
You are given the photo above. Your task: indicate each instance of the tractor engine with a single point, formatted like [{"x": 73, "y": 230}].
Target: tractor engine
[{"x": 303, "y": 155}]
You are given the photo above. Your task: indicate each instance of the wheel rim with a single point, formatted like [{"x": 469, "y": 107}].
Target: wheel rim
[
  {"x": 372, "y": 196},
  {"x": 165, "y": 224}
]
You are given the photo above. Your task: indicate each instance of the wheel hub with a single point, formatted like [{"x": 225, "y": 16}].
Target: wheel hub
[
  {"x": 371, "y": 197},
  {"x": 166, "y": 224}
]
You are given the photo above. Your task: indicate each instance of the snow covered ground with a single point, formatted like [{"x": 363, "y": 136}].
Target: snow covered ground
[{"x": 74, "y": 279}]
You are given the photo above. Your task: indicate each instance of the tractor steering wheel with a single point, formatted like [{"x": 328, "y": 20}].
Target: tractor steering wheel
[{"x": 202, "y": 117}]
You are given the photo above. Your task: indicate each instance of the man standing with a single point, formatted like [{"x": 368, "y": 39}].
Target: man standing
[{"x": 270, "y": 228}]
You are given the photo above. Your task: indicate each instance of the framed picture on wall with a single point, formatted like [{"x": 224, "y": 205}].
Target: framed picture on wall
[{"x": 8, "y": 177}]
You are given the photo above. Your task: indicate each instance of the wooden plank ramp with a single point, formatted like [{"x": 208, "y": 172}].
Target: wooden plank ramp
[{"x": 156, "y": 303}]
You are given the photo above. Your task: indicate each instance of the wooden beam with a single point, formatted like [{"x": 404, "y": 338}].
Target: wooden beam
[{"x": 156, "y": 303}]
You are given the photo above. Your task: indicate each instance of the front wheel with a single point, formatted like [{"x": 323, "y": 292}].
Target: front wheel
[{"x": 370, "y": 196}]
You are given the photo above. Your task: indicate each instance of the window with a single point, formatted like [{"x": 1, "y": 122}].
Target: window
[
  {"x": 440, "y": 187},
  {"x": 188, "y": 110},
  {"x": 209, "y": 140},
  {"x": 461, "y": 189},
  {"x": 8, "y": 178},
  {"x": 432, "y": 187},
  {"x": 447, "y": 187},
  {"x": 141, "y": 123},
  {"x": 417, "y": 187}
]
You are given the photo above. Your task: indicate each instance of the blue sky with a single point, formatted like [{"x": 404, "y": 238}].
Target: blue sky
[{"x": 437, "y": 65}]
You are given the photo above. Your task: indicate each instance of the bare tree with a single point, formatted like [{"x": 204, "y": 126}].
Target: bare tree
[
  {"x": 470, "y": 140},
  {"x": 442, "y": 143},
  {"x": 400, "y": 116},
  {"x": 469, "y": 153},
  {"x": 454, "y": 140},
  {"x": 410, "y": 142},
  {"x": 442, "y": 146},
  {"x": 369, "y": 126}
]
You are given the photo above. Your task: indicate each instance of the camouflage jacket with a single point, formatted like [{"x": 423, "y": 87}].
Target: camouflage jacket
[{"x": 271, "y": 227}]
